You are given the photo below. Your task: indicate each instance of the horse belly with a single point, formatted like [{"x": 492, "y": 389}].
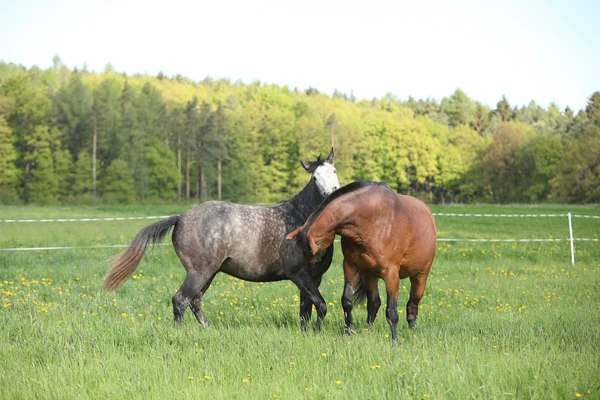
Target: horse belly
[
  {"x": 249, "y": 268},
  {"x": 362, "y": 260}
]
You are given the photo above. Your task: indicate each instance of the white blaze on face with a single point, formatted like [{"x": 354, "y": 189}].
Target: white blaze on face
[{"x": 326, "y": 179}]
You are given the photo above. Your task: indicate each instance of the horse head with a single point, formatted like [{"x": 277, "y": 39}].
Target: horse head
[
  {"x": 312, "y": 251},
  {"x": 324, "y": 174}
]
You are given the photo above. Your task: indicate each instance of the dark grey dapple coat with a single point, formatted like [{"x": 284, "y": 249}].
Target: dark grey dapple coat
[{"x": 247, "y": 242}]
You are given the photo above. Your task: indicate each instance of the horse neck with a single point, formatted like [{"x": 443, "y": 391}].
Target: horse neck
[
  {"x": 336, "y": 216},
  {"x": 306, "y": 202}
]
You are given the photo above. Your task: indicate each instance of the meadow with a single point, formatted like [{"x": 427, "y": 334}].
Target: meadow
[{"x": 498, "y": 320}]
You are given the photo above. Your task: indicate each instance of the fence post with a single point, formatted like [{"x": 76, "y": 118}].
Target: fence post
[{"x": 571, "y": 236}]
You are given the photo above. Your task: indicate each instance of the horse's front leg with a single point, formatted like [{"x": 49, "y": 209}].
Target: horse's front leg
[
  {"x": 373, "y": 300},
  {"x": 392, "y": 286},
  {"x": 305, "y": 310},
  {"x": 351, "y": 281},
  {"x": 311, "y": 293}
]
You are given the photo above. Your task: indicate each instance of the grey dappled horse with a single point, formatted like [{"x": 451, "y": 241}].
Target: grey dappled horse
[{"x": 247, "y": 242}]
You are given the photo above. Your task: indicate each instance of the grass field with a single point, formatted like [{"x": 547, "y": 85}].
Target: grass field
[{"x": 498, "y": 320}]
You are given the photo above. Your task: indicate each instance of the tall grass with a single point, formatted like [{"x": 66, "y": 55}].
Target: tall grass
[{"x": 498, "y": 320}]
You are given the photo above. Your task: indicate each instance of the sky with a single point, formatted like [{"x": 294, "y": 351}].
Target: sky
[{"x": 546, "y": 51}]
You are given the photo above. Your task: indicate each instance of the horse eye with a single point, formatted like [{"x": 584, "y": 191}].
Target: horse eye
[{"x": 335, "y": 171}]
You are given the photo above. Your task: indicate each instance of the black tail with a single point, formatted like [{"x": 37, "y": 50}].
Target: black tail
[
  {"x": 360, "y": 295},
  {"x": 125, "y": 263}
]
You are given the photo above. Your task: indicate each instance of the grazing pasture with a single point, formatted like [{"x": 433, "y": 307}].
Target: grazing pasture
[{"x": 498, "y": 320}]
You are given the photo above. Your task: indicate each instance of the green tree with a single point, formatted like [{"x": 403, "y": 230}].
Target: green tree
[
  {"x": 43, "y": 184},
  {"x": 8, "y": 171},
  {"x": 481, "y": 118},
  {"x": 578, "y": 175},
  {"x": 82, "y": 174},
  {"x": 592, "y": 108},
  {"x": 63, "y": 163},
  {"x": 459, "y": 108},
  {"x": 116, "y": 184},
  {"x": 72, "y": 106},
  {"x": 497, "y": 162},
  {"x": 162, "y": 171},
  {"x": 504, "y": 110},
  {"x": 536, "y": 163},
  {"x": 29, "y": 110},
  {"x": 9, "y": 174}
]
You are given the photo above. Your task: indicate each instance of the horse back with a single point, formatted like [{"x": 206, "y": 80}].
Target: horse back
[{"x": 251, "y": 235}]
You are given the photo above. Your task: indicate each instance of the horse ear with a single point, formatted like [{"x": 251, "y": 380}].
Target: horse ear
[
  {"x": 330, "y": 157},
  {"x": 305, "y": 165},
  {"x": 294, "y": 233},
  {"x": 313, "y": 246}
]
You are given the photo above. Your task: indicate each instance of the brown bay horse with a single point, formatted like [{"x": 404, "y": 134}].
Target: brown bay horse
[{"x": 383, "y": 235}]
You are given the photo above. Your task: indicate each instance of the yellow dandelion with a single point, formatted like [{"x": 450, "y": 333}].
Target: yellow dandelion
[
  {"x": 578, "y": 394},
  {"x": 207, "y": 377},
  {"x": 375, "y": 366},
  {"x": 244, "y": 380},
  {"x": 323, "y": 354},
  {"x": 124, "y": 315},
  {"x": 338, "y": 382},
  {"x": 190, "y": 378}
]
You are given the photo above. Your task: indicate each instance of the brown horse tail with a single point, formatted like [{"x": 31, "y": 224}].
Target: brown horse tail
[
  {"x": 125, "y": 263},
  {"x": 359, "y": 293}
]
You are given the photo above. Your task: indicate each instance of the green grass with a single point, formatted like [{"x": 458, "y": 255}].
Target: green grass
[{"x": 498, "y": 320}]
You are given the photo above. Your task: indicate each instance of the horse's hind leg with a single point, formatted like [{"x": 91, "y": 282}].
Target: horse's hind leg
[
  {"x": 373, "y": 299},
  {"x": 195, "y": 284},
  {"x": 196, "y": 304},
  {"x": 351, "y": 280},
  {"x": 184, "y": 296},
  {"x": 417, "y": 289}
]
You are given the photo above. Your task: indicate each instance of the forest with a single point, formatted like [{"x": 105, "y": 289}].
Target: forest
[{"x": 73, "y": 136}]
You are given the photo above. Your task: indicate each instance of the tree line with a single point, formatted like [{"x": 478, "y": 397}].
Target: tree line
[{"x": 76, "y": 136}]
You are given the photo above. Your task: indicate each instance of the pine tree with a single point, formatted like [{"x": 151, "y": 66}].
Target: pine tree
[
  {"x": 82, "y": 174},
  {"x": 42, "y": 185},
  {"x": 190, "y": 126},
  {"x": 116, "y": 185},
  {"x": 592, "y": 108},
  {"x": 504, "y": 110},
  {"x": 8, "y": 171},
  {"x": 480, "y": 119},
  {"x": 62, "y": 164}
]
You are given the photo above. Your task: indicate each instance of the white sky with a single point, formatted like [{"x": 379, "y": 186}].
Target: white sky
[{"x": 528, "y": 50}]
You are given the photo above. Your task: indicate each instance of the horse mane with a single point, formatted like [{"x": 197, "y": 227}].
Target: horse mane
[{"x": 351, "y": 187}]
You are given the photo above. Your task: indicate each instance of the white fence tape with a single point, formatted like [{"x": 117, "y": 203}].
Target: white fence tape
[
  {"x": 109, "y": 246},
  {"x": 167, "y": 216},
  {"x": 514, "y": 215},
  {"x": 85, "y": 219},
  {"x": 569, "y": 215},
  {"x": 337, "y": 241}
]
